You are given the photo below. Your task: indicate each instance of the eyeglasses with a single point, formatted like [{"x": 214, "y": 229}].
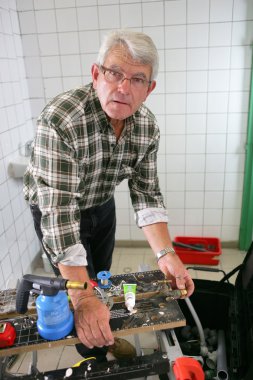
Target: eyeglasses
[{"x": 113, "y": 76}]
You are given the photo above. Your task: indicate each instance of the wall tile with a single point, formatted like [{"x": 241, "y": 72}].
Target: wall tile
[
  {"x": 48, "y": 44},
  {"x": 197, "y": 35},
  {"x": 231, "y": 217},
  {"x": 218, "y": 80},
  {"x": 236, "y": 143},
  {"x": 71, "y": 65},
  {"x": 243, "y": 10},
  {"x": 242, "y": 33},
  {"x": 216, "y": 123},
  {"x": 175, "y": 199},
  {"x": 53, "y": 87},
  {"x": 213, "y": 217},
  {"x": 197, "y": 59},
  {"x": 240, "y": 57},
  {"x": 237, "y": 122},
  {"x": 175, "y": 37},
  {"x": 175, "y": 103},
  {"x": 197, "y": 81},
  {"x": 214, "y": 182},
  {"x": 175, "y": 144},
  {"x": 216, "y": 143},
  {"x": 175, "y": 163},
  {"x": 235, "y": 163},
  {"x": 215, "y": 163},
  {"x": 89, "y": 42},
  {"x": 217, "y": 102},
  {"x": 175, "y": 124},
  {"x": 175, "y": 182},
  {"x": 221, "y": 10},
  {"x": 195, "y": 144},
  {"x": 43, "y": 4},
  {"x": 87, "y": 18},
  {"x": 175, "y": 12},
  {"x": 195, "y": 163},
  {"x": 194, "y": 217},
  {"x": 24, "y": 5},
  {"x": 68, "y": 43},
  {"x": 197, "y": 11},
  {"x": 27, "y": 22},
  {"x": 232, "y": 199},
  {"x": 213, "y": 200},
  {"x": 238, "y": 101},
  {"x": 196, "y": 103},
  {"x": 66, "y": 20},
  {"x": 45, "y": 21},
  {"x": 109, "y": 16},
  {"x": 233, "y": 182},
  {"x": 219, "y": 57},
  {"x": 148, "y": 11},
  {"x": 194, "y": 199},
  {"x": 176, "y": 82},
  {"x": 175, "y": 60},
  {"x": 240, "y": 80},
  {"x": 136, "y": 16},
  {"x": 196, "y": 123},
  {"x": 194, "y": 181},
  {"x": 220, "y": 34}
]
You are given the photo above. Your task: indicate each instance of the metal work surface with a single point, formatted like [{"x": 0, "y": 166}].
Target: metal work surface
[
  {"x": 147, "y": 365},
  {"x": 156, "y": 309}
]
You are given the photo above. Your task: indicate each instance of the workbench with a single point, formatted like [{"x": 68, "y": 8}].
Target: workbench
[{"x": 156, "y": 311}]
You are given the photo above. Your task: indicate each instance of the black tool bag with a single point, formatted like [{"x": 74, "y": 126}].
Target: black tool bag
[{"x": 223, "y": 306}]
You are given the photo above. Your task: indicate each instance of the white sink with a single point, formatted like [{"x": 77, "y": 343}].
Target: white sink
[{"x": 17, "y": 167}]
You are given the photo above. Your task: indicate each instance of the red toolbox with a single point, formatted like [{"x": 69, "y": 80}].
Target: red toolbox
[{"x": 202, "y": 250}]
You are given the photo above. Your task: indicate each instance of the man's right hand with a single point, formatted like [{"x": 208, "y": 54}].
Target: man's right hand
[
  {"x": 92, "y": 322},
  {"x": 91, "y": 315}
]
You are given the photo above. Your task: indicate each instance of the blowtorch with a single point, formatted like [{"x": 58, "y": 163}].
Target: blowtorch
[{"x": 55, "y": 319}]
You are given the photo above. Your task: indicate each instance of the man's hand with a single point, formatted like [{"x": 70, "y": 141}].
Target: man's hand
[
  {"x": 174, "y": 269},
  {"x": 91, "y": 315},
  {"x": 92, "y": 322}
]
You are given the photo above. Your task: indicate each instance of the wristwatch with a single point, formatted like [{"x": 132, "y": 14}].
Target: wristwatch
[{"x": 164, "y": 252}]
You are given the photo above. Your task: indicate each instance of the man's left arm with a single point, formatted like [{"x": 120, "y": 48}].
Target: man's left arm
[{"x": 157, "y": 235}]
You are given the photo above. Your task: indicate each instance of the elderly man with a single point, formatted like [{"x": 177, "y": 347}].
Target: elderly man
[{"x": 89, "y": 140}]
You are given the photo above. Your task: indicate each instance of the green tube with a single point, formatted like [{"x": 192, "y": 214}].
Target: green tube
[
  {"x": 129, "y": 294},
  {"x": 246, "y": 224}
]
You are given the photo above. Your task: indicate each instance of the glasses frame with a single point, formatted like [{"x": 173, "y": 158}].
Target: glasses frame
[{"x": 105, "y": 69}]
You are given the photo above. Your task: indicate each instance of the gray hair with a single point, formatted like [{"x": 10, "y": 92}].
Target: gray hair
[{"x": 140, "y": 46}]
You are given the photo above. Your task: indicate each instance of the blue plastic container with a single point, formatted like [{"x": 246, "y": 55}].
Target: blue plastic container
[{"x": 55, "y": 319}]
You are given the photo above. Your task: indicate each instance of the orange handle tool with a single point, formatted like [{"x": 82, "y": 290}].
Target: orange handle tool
[{"x": 185, "y": 368}]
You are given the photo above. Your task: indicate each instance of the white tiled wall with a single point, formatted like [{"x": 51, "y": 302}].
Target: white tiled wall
[
  {"x": 18, "y": 243},
  {"x": 201, "y": 101}
]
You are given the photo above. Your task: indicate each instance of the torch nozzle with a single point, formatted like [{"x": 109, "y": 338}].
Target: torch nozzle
[{"x": 76, "y": 285}]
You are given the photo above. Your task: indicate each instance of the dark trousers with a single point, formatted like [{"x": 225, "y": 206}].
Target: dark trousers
[{"x": 97, "y": 234}]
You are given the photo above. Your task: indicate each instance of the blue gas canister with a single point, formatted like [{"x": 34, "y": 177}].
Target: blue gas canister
[{"x": 55, "y": 319}]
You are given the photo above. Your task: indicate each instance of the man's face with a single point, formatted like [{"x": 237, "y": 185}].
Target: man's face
[{"x": 121, "y": 99}]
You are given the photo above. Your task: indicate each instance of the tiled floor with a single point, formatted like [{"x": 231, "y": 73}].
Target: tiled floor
[{"x": 125, "y": 260}]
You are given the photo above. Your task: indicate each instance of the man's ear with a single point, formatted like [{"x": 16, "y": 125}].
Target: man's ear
[
  {"x": 151, "y": 87},
  {"x": 94, "y": 73}
]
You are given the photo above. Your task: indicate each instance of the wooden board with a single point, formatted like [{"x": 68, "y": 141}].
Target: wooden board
[{"x": 155, "y": 311}]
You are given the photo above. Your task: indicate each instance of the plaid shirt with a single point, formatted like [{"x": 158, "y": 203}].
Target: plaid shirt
[{"x": 76, "y": 163}]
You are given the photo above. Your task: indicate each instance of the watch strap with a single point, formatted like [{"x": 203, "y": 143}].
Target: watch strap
[{"x": 164, "y": 252}]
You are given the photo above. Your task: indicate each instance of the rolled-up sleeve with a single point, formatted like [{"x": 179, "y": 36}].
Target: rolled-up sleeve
[
  {"x": 56, "y": 175},
  {"x": 144, "y": 188}
]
